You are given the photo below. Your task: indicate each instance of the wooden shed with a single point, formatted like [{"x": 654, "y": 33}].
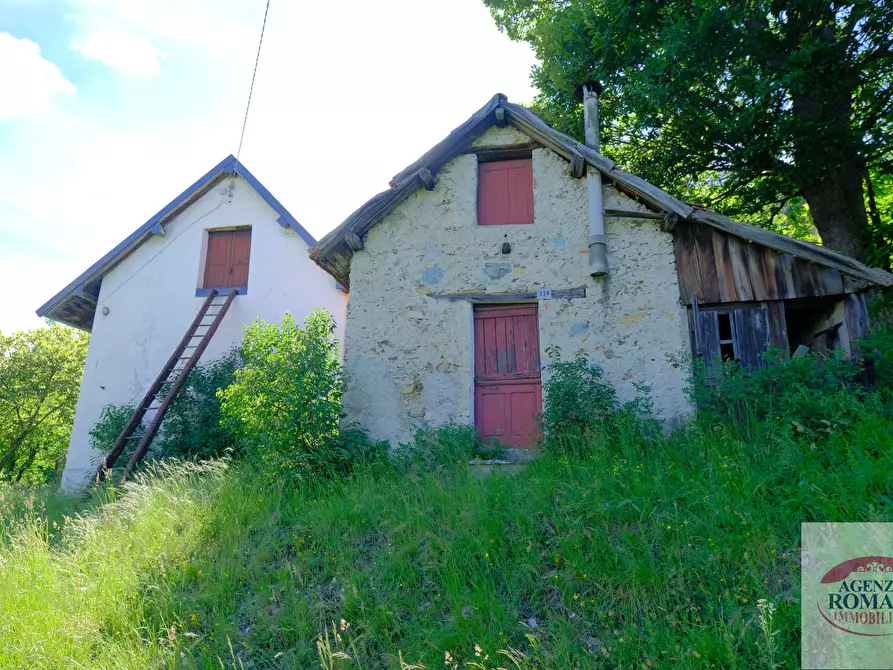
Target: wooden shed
[{"x": 745, "y": 295}]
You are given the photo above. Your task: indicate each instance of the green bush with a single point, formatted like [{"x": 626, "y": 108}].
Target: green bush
[
  {"x": 106, "y": 431},
  {"x": 438, "y": 448},
  {"x": 192, "y": 428},
  {"x": 580, "y": 408},
  {"x": 285, "y": 403},
  {"x": 576, "y": 397},
  {"x": 812, "y": 394},
  {"x": 877, "y": 348},
  {"x": 357, "y": 448}
]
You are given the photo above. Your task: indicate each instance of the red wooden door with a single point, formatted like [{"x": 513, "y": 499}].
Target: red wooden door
[{"x": 508, "y": 393}]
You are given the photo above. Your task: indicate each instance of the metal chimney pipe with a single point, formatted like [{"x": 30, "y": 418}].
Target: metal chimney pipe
[{"x": 598, "y": 241}]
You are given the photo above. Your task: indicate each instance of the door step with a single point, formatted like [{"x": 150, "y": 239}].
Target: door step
[{"x": 482, "y": 467}]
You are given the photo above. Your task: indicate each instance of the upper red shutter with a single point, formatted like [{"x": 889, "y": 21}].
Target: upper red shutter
[
  {"x": 227, "y": 259},
  {"x": 241, "y": 251},
  {"x": 217, "y": 263},
  {"x": 505, "y": 192}
]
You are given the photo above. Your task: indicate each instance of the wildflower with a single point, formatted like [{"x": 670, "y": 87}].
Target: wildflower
[
  {"x": 344, "y": 625},
  {"x": 477, "y": 650},
  {"x": 763, "y": 605},
  {"x": 447, "y": 658}
]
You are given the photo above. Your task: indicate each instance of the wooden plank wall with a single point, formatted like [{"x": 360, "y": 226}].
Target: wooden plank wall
[{"x": 722, "y": 268}]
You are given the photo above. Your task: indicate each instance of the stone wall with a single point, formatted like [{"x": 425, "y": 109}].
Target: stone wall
[{"x": 409, "y": 357}]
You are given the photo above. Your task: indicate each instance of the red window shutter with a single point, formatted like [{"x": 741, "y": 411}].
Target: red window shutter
[
  {"x": 227, "y": 259},
  {"x": 241, "y": 250},
  {"x": 505, "y": 192},
  {"x": 217, "y": 264}
]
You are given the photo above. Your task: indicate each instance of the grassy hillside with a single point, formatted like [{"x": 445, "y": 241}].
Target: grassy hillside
[{"x": 630, "y": 550}]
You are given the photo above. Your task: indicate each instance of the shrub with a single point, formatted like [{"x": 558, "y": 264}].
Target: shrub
[
  {"x": 811, "y": 393},
  {"x": 877, "y": 348},
  {"x": 437, "y": 448},
  {"x": 357, "y": 448},
  {"x": 285, "y": 403},
  {"x": 192, "y": 428},
  {"x": 576, "y": 397},
  {"x": 106, "y": 431}
]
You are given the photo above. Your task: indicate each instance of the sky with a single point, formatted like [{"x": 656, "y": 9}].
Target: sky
[{"x": 110, "y": 108}]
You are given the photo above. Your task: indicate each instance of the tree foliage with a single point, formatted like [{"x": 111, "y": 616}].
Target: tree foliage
[
  {"x": 285, "y": 403},
  {"x": 40, "y": 375},
  {"x": 743, "y": 106}
]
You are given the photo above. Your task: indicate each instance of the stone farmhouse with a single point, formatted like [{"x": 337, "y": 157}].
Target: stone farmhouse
[
  {"x": 508, "y": 238},
  {"x": 225, "y": 233}
]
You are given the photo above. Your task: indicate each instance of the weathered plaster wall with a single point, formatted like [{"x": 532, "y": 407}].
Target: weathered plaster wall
[
  {"x": 408, "y": 354},
  {"x": 151, "y": 302}
]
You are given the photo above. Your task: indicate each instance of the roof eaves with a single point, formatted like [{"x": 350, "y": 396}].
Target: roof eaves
[
  {"x": 789, "y": 245},
  {"x": 136, "y": 237}
]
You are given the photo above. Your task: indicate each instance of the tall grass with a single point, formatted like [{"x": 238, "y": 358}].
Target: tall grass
[{"x": 639, "y": 550}]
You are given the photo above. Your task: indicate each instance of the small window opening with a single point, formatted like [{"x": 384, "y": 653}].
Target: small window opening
[{"x": 727, "y": 349}]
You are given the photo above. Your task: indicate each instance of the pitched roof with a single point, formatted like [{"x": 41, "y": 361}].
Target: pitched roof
[
  {"x": 334, "y": 251},
  {"x": 75, "y": 304}
]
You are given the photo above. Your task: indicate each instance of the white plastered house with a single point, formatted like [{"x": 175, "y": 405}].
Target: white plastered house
[{"x": 139, "y": 299}]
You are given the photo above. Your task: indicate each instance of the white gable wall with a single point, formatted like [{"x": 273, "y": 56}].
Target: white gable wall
[{"x": 151, "y": 301}]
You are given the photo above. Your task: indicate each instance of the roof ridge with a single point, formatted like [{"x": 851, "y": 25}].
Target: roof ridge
[
  {"x": 229, "y": 165},
  {"x": 331, "y": 250}
]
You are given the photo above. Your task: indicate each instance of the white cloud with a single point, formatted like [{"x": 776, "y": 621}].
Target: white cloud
[
  {"x": 120, "y": 49},
  {"x": 76, "y": 182},
  {"x": 31, "y": 83}
]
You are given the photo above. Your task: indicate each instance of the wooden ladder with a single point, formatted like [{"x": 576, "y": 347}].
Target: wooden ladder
[{"x": 168, "y": 384}]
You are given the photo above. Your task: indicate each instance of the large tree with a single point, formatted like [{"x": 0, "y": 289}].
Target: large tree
[
  {"x": 40, "y": 375},
  {"x": 741, "y": 105}
]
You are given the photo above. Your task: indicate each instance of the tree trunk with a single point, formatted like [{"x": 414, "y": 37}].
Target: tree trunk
[
  {"x": 827, "y": 152},
  {"x": 9, "y": 456},
  {"x": 838, "y": 210},
  {"x": 26, "y": 465}
]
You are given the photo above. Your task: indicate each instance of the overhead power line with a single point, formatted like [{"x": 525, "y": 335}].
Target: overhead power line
[{"x": 260, "y": 43}]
